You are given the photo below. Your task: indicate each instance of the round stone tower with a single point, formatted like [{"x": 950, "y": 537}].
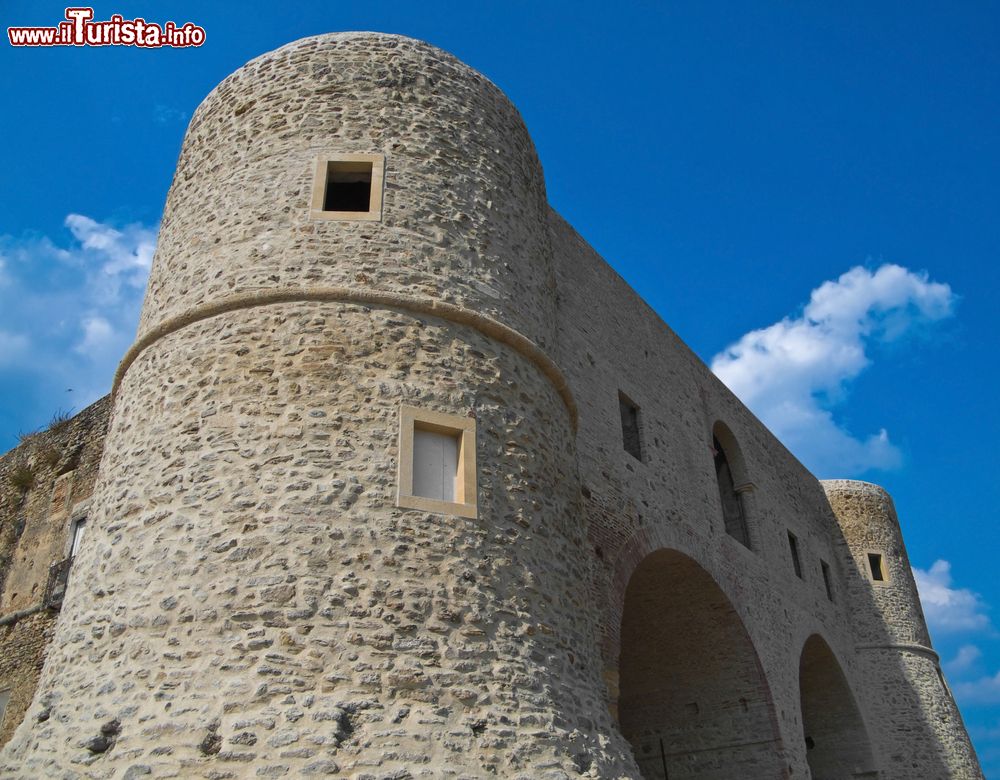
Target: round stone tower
[
  {"x": 255, "y": 595},
  {"x": 911, "y": 711}
]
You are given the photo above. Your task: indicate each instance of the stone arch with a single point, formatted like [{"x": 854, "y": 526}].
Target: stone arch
[
  {"x": 693, "y": 700},
  {"x": 733, "y": 481},
  {"x": 837, "y": 742}
]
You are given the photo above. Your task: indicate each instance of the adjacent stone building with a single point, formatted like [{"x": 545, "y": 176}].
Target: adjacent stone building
[{"x": 402, "y": 480}]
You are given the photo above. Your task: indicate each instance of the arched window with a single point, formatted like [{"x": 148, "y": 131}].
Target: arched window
[{"x": 733, "y": 511}]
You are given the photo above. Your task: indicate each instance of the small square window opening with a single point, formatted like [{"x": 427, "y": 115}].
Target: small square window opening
[
  {"x": 876, "y": 567},
  {"x": 437, "y": 462},
  {"x": 348, "y": 187}
]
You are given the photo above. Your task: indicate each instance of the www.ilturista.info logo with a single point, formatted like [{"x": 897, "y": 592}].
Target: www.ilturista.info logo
[{"x": 79, "y": 29}]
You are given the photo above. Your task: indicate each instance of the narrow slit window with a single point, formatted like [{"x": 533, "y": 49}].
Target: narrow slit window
[
  {"x": 793, "y": 548},
  {"x": 437, "y": 462},
  {"x": 78, "y": 528},
  {"x": 630, "y": 426},
  {"x": 875, "y": 565},
  {"x": 4, "y": 701},
  {"x": 348, "y": 187},
  {"x": 825, "y": 568}
]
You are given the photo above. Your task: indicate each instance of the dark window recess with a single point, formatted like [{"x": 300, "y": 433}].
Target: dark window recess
[
  {"x": 348, "y": 186},
  {"x": 630, "y": 427},
  {"x": 875, "y": 564},
  {"x": 825, "y": 568},
  {"x": 732, "y": 502},
  {"x": 793, "y": 547}
]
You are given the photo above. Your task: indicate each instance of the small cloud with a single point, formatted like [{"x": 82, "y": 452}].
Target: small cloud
[
  {"x": 78, "y": 298},
  {"x": 166, "y": 115},
  {"x": 792, "y": 373},
  {"x": 97, "y": 335},
  {"x": 949, "y": 610},
  {"x": 964, "y": 660},
  {"x": 985, "y": 690},
  {"x": 13, "y": 346}
]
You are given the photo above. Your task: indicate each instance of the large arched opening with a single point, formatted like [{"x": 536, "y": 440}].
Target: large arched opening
[
  {"x": 837, "y": 744},
  {"x": 693, "y": 701}
]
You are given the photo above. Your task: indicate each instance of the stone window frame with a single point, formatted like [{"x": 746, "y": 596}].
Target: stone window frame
[
  {"x": 412, "y": 418},
  {"x": 883, "y": 561},
  {"x": 374, "y": 213}
]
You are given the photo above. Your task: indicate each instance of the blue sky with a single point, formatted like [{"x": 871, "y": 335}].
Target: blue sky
[{"x": 815, "y": 214}]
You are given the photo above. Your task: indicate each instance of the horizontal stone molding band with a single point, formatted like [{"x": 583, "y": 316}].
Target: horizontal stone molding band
[
  {"x": 910, "y": 648},
  {"x": 445, "y": 311}
]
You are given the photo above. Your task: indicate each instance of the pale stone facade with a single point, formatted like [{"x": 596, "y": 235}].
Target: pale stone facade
[{"x": 254, "y": 598}]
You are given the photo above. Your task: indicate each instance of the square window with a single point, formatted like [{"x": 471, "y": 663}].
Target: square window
[
  {"x": 437, "y": 462},
  {"x": 348, "y": 187},
  {"x": 876, "y": 567}
]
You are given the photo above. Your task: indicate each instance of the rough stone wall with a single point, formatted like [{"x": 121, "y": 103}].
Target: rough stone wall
[
  {"x": 464, "y": 213},
  {"x": 610, "y": 341},
  {"x": 252, "y": 597},
  {"x": 23, "y": 643},
  {"x": 44, "y": 483},
  {"x": 903, "y": 685}
]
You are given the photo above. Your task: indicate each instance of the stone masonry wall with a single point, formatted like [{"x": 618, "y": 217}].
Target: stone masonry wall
[
  {"x": 251, "y": 597},
  {"x": 610, "y": 341},
  {"x": 44, "y": 484},
  {"x": 904, "y": 686}
]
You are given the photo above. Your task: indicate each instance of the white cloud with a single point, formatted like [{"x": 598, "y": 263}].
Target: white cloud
[
  {"x": 985, "y": 690},
  {"x": 98, "y": 334},
  {"x": 792, "y": 372},
  {"x": 12, "y": 347},
  {"x": 166, "y": 115},
  {"x": 949, "y": 610},
  {"x": 964, "y": 660},
  {"x": 74, "y": 300}
]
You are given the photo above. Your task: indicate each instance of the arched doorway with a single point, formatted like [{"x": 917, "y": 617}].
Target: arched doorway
[
  {"x": 693, "y": 701},
  {"x": 837, "y": 744}
]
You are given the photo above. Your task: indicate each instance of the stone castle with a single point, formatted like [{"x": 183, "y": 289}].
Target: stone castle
[{"x": 401, "y": 480}]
